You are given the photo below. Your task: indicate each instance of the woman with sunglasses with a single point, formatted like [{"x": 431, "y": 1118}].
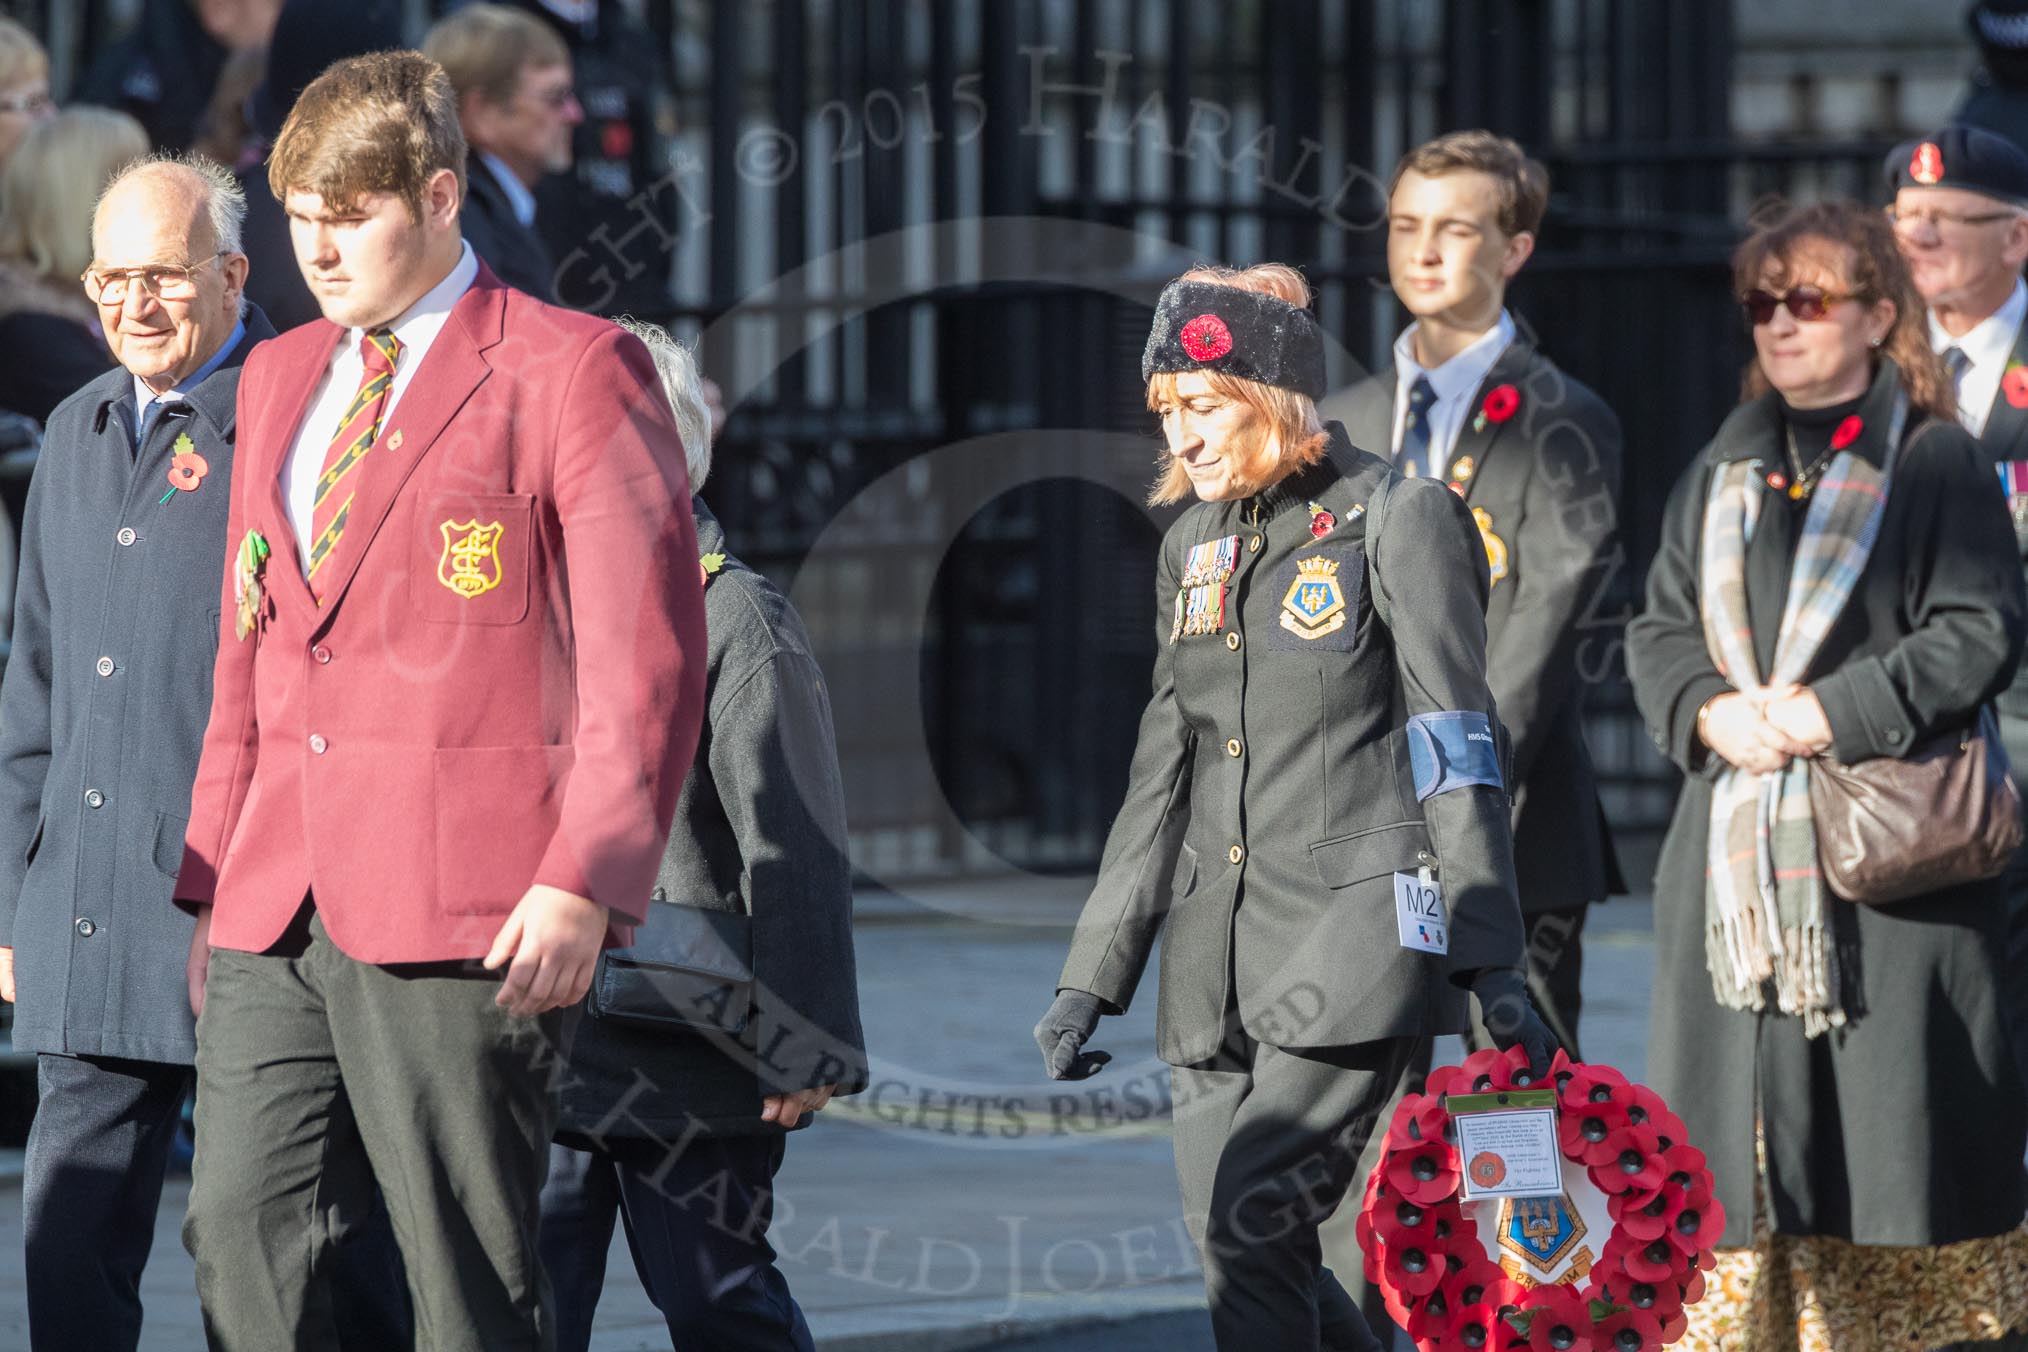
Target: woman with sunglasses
[{"x": 1837, "y": 577}]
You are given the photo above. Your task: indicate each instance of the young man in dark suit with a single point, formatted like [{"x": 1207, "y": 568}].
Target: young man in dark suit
[
  {"x": 1960, "y": 215},
  {"x": 1470, "y": 401}
]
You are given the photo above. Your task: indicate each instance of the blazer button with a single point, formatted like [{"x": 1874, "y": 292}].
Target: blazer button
[
  {"x": 105, "y": 666},
  {"x": 86, "y": 928},
  {"x": 126, "y": 536},
  {"x": 322, "y": 654},
  {"x": 318, "y": 746},
  {"x": 94, "y": 799},
  {"x": 1232, "y": 641},
  {"x": 1236, "y": 853},
  {"x": 1894, "y": 736},
  {"x": 1232, "y": 747}
]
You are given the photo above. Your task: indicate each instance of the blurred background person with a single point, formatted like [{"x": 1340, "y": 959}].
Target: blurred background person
[
  {"x": 1998, "y": 97},
  {"x": 226, "y": 135},
  {"x": 515, "y": 101},
  {"x": 24, "y": 85},
  {"x": 50, "y": 342},
  {"x": 1775, "y": 633},
  {"x": 756, "y": 871},
  {"x": 613, "y": 253},
  {"x": 164, "y": 70},
  {"x": 309, "y": 35},
  {"x": 1959, "y": 219}
]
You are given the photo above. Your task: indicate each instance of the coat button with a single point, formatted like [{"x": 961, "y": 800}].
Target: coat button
[
  {"x": 1232, "y": 747},
  {"x": 86, "y": 927},
  {"x": 1232, "y": 641},
  {"x": 126, "y": 536},
  {"x": 105, "y": 666},
  {"x": 318, "y": 746},
  {"x": 94, "y": 799},
  {"x": 1236, "y": 853},
  {"x": 322, "y": 654},
  {"x": 1894, "y": 736},
  {"x": 1253, "y": 545}
]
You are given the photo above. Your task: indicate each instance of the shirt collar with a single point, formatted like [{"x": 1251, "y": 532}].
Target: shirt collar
[
  {"x": 143, "y": 396},
  {"x": 520, "y": 201},
  {"x": 1991, "y": 341},
  {"x": 1462, "y": 374},
  {"x": 430, "y": 312}
]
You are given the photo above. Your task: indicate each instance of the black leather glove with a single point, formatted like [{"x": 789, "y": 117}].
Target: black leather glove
[
  {"x": 1062, "y": 1034},
  {"x": 1510, "y": 1017}
]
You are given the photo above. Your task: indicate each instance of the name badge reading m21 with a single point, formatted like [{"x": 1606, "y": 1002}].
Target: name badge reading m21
[{"x": 1419, "y": 913}]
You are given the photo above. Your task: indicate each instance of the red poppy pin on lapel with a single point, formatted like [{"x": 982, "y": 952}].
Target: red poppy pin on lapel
[
  {"x": 1847, "y": 432},
  {"x": 2014, "y": 384},
  {"x": 1501, "y": 403},
  {"x": 186, "y": 468}
]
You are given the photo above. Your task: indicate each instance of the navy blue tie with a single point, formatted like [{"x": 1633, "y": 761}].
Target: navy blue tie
[
  {"x": 1414, "y": 458},
  {"x": 1956, "y": 361}
]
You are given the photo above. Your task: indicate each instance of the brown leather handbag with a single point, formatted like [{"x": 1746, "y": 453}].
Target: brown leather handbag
[{"x": 1893, "y": 828}]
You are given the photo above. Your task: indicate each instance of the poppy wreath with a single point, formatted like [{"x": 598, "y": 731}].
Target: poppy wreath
[{"x": 1433, "y": 1271}]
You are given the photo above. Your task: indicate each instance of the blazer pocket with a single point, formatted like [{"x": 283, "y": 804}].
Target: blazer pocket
[
  {"x": 168, "y": 847},
  {"x": 35, "y": 839},
  {"x": 1373, "y": 853},
  {"x": 688, "y": 970},
  {"x": 1185, "y": 877},
  {"x": 497, "y": 809},
  {"x": 469, "y": 561}
]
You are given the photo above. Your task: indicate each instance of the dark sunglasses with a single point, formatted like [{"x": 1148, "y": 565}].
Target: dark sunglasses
[{"x": 1806, "y": 303}]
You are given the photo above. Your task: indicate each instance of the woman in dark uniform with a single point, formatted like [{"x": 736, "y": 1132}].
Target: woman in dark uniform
[
  {"x": 1301, "y": 753},
  {"x": 1837, "y": 577}
]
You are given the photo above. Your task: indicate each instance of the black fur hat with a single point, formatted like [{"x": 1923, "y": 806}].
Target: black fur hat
[{"x": 1204, "y": 326}]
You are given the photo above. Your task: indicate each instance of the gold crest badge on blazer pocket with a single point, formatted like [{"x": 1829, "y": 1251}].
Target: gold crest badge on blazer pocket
[{"x": 469, "y": 560}]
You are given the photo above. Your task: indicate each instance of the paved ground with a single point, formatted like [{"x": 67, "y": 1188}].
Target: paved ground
[{"x": 963, "y": 1200}]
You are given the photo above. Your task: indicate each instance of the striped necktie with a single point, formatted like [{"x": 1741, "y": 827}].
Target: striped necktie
[
  {"x": 1414, "y": 458},
  {"x": 1957, "y": 363},
  {"x": 357, "y": 432}
]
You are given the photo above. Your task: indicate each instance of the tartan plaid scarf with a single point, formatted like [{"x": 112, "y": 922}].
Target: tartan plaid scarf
[{"x": 1764, "y": 912}]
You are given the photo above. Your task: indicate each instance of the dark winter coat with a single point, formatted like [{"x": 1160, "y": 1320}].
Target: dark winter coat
[
  {"x": 102, "y": 716},
  {"x": 1906, "y": 1126},
  {"x": 758, "y": 842}
]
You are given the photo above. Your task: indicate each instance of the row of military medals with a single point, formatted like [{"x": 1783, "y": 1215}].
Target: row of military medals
[{"x": 1200, "y": 600}]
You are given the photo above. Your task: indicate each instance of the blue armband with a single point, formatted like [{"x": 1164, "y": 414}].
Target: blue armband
[{"x": 1452, "y": 749}]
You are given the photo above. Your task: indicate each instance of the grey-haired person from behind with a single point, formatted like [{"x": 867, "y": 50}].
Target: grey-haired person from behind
[
  {"x": 1320, "y": 724},
  {"x": 734, "y": 1017}
]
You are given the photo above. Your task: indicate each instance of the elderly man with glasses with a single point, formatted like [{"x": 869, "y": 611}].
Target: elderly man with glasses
[
  {"x": 102, "y": 715},
  {"x": 1959, "y": 217}
]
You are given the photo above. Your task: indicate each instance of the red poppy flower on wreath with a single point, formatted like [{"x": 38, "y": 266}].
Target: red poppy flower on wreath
[
  {"x": 1205, "y": 338},
  {"x": 1627, "y": 1331},
  {"x": 1425, "y": 1174},
  {"x": 2014, "y": 384},
  {"x": 1643, "y": 1212},
  {"x": 1846, "y": 432},
  {"x": 1559, "y": 1319}
]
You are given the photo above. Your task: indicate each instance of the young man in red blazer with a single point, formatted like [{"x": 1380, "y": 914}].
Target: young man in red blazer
[{"x": 459, "y": 682}]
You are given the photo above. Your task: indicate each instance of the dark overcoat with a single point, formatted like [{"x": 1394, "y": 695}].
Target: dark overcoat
[
  {"x": 1272, "y": 799},
  {"x": 1904, "y": 1127},
  {"x": 514, "y": 251},
  {"x": 102, "y": 716},
  {"x": 1543, "y": 486},
  {"x": 759, "y": 837}
]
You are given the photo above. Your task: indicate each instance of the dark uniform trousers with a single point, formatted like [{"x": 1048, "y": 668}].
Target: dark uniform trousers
[
  {"x": 319, "y": 1076},
  {"x": 697, "y": 1219},
  {"x": 1267, "y": 1143},
  {"x": 92, "y": 1186}
]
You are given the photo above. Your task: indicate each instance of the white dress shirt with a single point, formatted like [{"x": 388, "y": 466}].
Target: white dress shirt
[
  {"x": 1989, "y": 344},
  {"x": 1454, "y": 383},
  {"x": 415, "y": 329}
]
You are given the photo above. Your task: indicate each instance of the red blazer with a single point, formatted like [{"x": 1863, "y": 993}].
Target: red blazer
[{"x": 453, "y": 725}]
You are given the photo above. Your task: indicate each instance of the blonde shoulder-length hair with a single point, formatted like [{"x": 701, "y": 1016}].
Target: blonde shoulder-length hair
[
  {"x": 1295, "y": 437},
  {"x": 52, "y": 182}
]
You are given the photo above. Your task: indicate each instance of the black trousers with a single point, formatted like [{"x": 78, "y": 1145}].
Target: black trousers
[
  {"x": 1555, "y": 972},
  {"x": 697, "y": 1220},
  {"x": 91, "y": 1189},
  {"x": 2014, "y": 970},
  {"x": 1267, "y": 1143},
  {"x": 318, "y": 1077}
]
